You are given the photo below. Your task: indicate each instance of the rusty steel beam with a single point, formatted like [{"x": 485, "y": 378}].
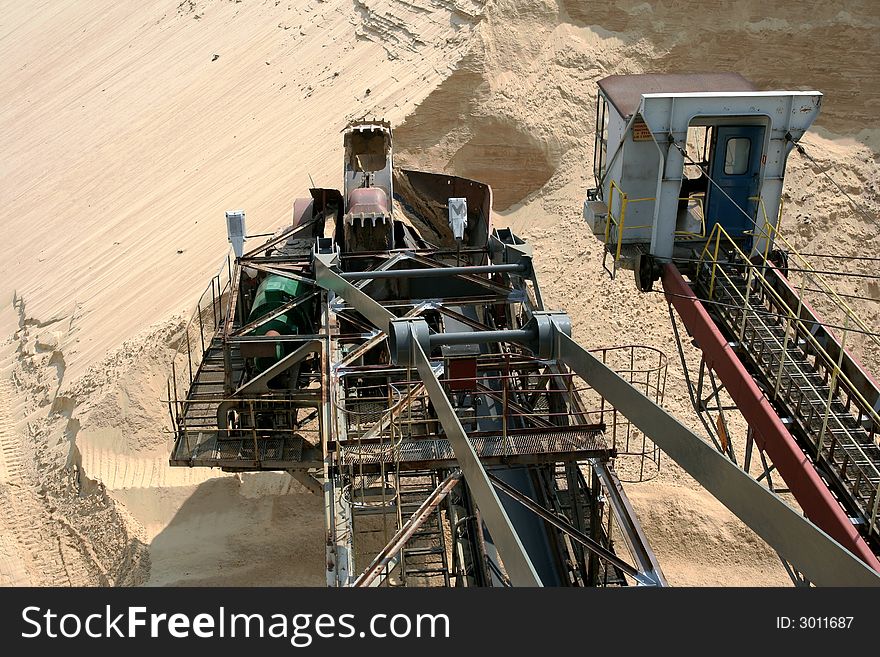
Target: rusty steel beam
[{"x": 386, "y": 555}]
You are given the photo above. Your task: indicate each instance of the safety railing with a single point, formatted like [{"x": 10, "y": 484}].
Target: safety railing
[
  {"x": 751, "y": 303},
  {"x": 368, "y": 424},
  {"x": 366, "y": 451},
  {"x": 645, "y": 368},
  {"x": 514, "y": 406},
  {"x": 196, "y": 339},
  {"x": 773, "y": 237},
  {"x": 613, "y": 241},
  {"x": 256, "y": 429}
]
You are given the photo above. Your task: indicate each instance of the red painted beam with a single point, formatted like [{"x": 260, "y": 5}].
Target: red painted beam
[{"x": 818, "y": 503}]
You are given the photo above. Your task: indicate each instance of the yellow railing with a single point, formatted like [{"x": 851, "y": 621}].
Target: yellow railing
[
  {"x": 773, "y": 236},
  {"x": 720, "y": 236},
  {"x": 619, "y": 221},
  {"x": 721, "y": 242}
]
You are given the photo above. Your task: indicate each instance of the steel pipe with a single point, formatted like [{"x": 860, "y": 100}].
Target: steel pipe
[
  {"x": 434, "y": 272},
  {"x": 522, "y": 336}
]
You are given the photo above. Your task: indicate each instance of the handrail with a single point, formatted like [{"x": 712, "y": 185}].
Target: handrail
[
  {"x": 216, "y": 288},
  {"x": 838, "y": 377},
  {"x": 620, "y": 223},
  {"x": 868, "y": 464},
  {"x": 719, "y": 230},
  {"x": 773, "y": 235}
]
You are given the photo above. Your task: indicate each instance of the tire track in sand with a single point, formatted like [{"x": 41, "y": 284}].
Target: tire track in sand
[
  {"x": 13, "y": 567},
  {"x": 31, "y": 548}
]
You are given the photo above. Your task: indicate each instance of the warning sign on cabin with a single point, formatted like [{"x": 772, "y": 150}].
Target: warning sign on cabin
[{"x": 640, "y": 131}]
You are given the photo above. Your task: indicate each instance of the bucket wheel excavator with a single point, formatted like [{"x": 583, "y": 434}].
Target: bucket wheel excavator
[{"x": 391, "y": 350}]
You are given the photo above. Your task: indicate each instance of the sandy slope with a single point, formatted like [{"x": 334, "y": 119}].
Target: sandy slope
[
  {"x": 126, "y": 140},
  {"x": 125, "y": 143}
]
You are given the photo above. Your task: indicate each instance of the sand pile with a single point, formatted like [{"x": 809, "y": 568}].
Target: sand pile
[
  {"x": 59, "y": 526},
  {"x": 135, "y": 128}
]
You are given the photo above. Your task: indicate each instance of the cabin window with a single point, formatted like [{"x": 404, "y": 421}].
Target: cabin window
[
  {"x": 697, "y": 149},
  {"x": 736, "y": 156}
]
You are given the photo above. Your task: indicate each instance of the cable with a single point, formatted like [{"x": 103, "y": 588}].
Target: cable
[
  {"x": 719, "y": 187},
  {"x": 766, "y": 313},
  {"x": 842, "y": 294},
  {"x": 830, "y": 272},
  {"x": 838, "y": 257},
  {"x": 800, "y": 149}
]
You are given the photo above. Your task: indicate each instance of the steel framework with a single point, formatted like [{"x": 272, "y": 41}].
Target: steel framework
[{"x": 405, "y": 367}]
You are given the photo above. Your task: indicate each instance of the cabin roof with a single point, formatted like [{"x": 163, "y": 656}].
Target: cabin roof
[{"x": 625, "y": 91}]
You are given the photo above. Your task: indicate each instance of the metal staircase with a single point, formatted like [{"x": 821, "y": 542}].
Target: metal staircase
[
  {"x": 826, "y": 411},
  {"x": 196, "y": 415},
  {"x": 424, "y": 558},
  {"x": 199, "y": 441}
]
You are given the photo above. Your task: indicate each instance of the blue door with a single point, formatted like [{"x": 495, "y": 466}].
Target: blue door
[{"x": 736, "y": 168}]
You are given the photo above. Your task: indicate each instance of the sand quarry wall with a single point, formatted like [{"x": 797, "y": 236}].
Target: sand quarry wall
[{"x": 133, "y": 128}]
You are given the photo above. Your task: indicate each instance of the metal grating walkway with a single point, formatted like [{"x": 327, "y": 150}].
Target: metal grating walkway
[
  {"x": 831, "y": 429},
  {"x": 200, "y": 443},
  {"x": 548, "y": 446}
]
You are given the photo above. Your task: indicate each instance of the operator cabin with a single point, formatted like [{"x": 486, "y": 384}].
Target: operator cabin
[{"x": 679, "y": 156}]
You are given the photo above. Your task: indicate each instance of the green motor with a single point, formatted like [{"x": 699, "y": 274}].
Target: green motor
[{"x": 273, "y": 292}]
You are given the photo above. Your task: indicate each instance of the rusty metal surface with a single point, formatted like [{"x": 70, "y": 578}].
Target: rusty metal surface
[
  {"x": 516, "y": 560},
  {"x": 436, "y": 451},
  {"x": 387, "y": 554}
]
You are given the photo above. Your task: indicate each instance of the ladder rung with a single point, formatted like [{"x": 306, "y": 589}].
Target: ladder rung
[{"x": 423, "y": 547}]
